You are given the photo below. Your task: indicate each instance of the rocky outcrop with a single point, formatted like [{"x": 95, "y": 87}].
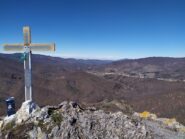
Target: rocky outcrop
[{"x": 69, "y": 121}]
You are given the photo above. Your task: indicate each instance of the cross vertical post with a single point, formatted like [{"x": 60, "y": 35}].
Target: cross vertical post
[
  {"x": 27, "y": 63},
  {"x": 28, "y": 47}
]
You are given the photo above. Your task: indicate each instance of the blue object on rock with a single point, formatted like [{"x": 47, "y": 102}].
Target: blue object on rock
[{"x": 10, "y": 102}]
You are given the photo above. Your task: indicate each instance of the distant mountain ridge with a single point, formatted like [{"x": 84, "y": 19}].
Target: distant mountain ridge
[
  {"x": 68, "y": 79},
  {"x": 151, "y": 67}
]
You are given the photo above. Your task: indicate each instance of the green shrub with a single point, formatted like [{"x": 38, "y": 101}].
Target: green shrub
[
  {"x": 9, "y": 126},
  {"x": 56, "y": 118}
]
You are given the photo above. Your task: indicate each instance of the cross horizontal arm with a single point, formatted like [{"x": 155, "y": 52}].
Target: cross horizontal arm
[
  {"x": 14, "y": 47},
  {"x": 42, "y": 47}
]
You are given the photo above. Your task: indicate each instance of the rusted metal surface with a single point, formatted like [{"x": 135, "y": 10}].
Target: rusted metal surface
[{"x": 27, "y": 35}]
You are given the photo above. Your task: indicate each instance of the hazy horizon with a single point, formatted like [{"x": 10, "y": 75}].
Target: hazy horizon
[{"x": 88, "y": 58}]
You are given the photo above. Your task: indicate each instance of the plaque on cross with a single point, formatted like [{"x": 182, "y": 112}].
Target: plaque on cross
[{"x": 27, "y": 47}]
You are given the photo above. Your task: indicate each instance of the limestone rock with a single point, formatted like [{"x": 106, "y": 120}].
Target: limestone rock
[
  {"x": 69, "y": 121},
  {"x": 26, "y": 111}
]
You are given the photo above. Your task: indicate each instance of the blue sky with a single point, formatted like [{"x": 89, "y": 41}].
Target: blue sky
[{"x": 101, "y": 29}]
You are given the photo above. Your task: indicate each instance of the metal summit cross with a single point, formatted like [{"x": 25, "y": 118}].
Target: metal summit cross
[{"x": 28, "y": 47}]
